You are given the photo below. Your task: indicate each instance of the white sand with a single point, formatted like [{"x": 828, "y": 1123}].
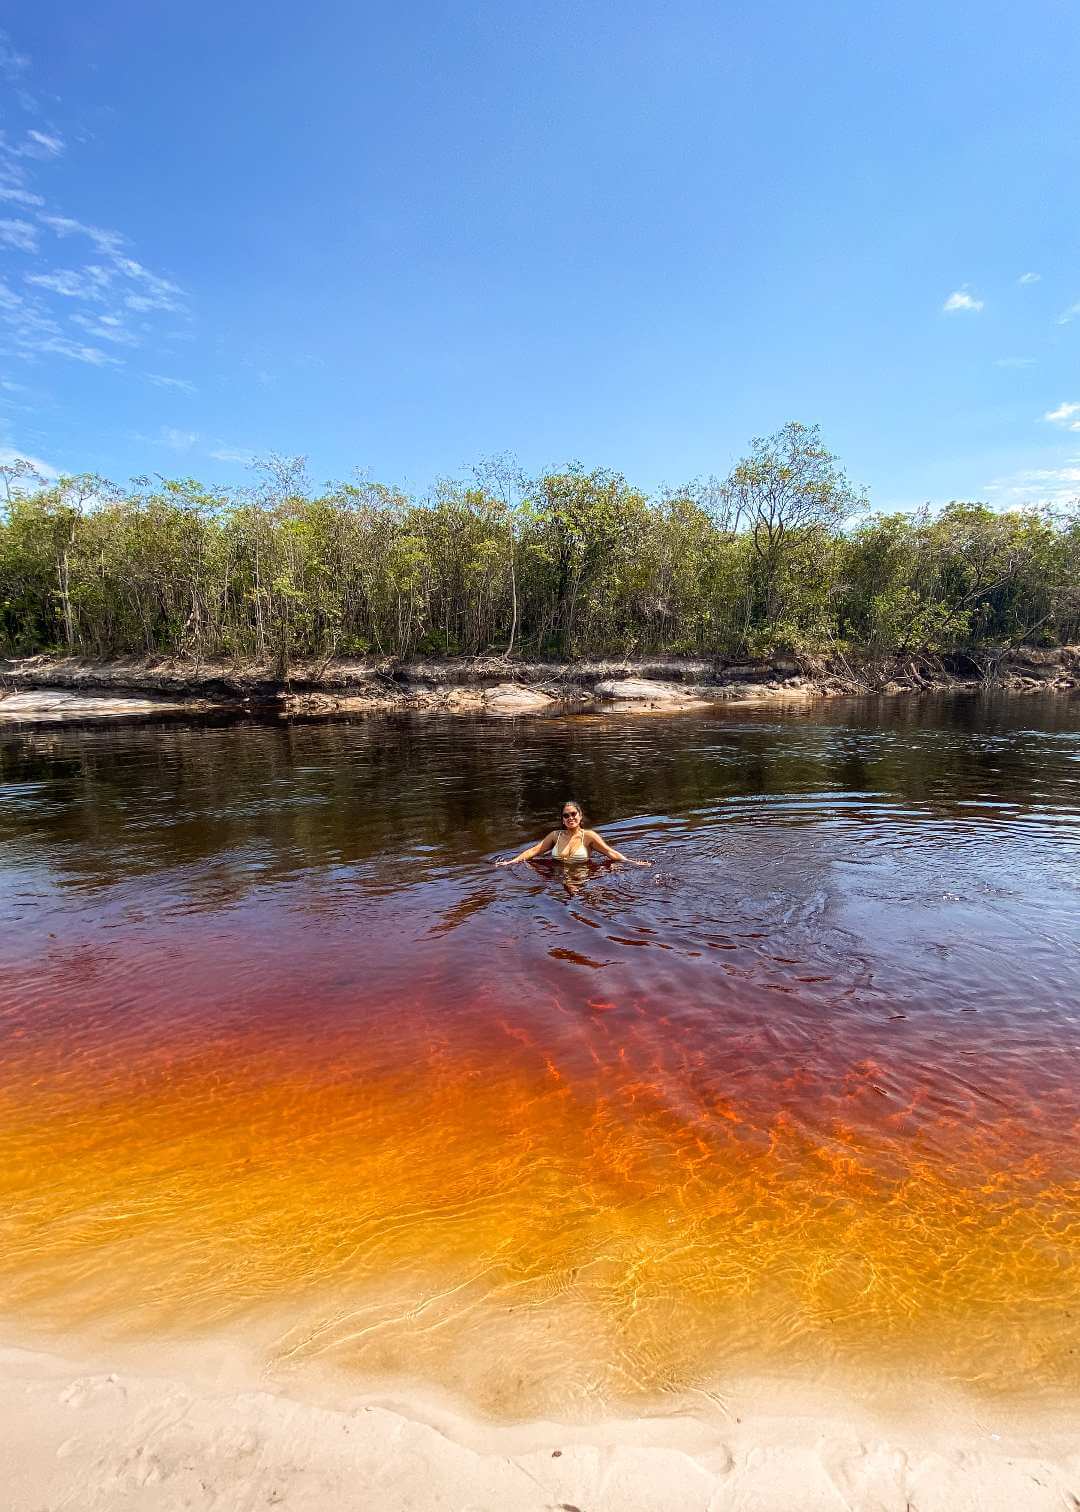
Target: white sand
[
  {"x": 189, "y": 1434},
  {"x": 42, "y": 705}
]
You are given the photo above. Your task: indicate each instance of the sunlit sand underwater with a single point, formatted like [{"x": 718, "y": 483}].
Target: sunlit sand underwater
[{"x": 284, "y": 1057}]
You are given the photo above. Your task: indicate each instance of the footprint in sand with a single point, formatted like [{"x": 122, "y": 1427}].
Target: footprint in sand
[
  {"x": 870, "y": 1478},
  {"x": 239, "y": 1445},
  {"x": 718, "y": 1461},
  {"x": 93, "y": 1391},
  {"x": 140, "y": 1468}
]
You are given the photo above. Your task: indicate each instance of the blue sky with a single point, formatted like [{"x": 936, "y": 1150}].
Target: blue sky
[{"x": 399, "y": 238}]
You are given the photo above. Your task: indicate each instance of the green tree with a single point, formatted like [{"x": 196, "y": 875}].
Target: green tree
[{"x": 789, "y": 488}]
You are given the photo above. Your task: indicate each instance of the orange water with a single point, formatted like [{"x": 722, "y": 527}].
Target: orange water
[{"x": 804, "y": 1095}]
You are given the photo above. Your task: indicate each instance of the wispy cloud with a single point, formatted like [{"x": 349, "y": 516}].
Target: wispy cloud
[
  {"x": 161, "y": 381},
  {"x": 105, "y": 328},
  {"x": 41, "y": 145},
  {"x": 223, "y": 452},
  {"x": 1029, "y": 278},
  {"x": 1070, "y": 314},
  {"x": 76, "y": 351},
  {"x": 64, "y": 225},
  {"x": 961, "y": 299},
  {"x": 72, "y": 283},
  {"x": 32, "y": 332},
  {"x": 172, "y": 436},
  {"x": 13, "y": 65},
  {"x": 20, "y": 234},
  {"x": 12, "y": 62},
  {"x": 1067, "y": 415},
  {"x": 1014, "y": 362},
  {"x": 16, "y": 196},
  {"x": 117, "y": 287},
  {"x": 1038, "y": 485},
  {"x": 120, "y": 295},
  {"x": 9, "y": 455},
  {"x": 160, "y": 299},
  {"x": 152, "y": 292}
]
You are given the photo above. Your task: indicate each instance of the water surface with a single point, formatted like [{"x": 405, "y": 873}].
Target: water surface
[{"x": 281, "y": 1052}]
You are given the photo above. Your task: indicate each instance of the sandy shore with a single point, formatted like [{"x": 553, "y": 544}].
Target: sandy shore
[{"x": 194, "y": 1433}]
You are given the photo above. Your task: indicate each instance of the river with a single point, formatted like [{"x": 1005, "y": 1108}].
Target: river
[{"x": 284, "y": 1057}]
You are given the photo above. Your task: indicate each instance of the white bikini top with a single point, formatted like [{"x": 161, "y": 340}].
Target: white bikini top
[{"x": 570, "y": 851}]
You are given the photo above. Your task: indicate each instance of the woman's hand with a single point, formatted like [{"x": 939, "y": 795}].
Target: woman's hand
[{"x": 509, "y": 861}]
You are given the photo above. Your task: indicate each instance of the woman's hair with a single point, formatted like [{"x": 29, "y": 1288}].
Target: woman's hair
[{"x": 571, "y": 803}]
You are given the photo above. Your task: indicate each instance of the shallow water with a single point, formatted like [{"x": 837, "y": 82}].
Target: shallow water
[{"x": 282, "y": 1052}]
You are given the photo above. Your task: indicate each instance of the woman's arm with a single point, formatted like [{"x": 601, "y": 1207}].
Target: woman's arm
[
  {"x": 541, "y": 848},
  {"x": 592, "y": 838}
]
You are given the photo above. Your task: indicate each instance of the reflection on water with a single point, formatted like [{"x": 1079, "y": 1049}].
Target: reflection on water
[{"x": 279, "y": 1046}]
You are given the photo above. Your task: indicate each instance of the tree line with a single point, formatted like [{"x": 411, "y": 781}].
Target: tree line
[{"x": 782, "y": 554}]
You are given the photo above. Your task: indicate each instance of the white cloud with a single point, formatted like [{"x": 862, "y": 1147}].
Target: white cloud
[
  {"x": 105, "y": 241},
  {"x": 106, "y": 328},
  {"x": 160, "y": 381},
  {"x": 160, "y": 293},
  {"x": 1014, "y": 362},
  {"x": 1067, "y": 415},
  {"x": 89, "y": 283},
  {"x": 143, "y": 303},
  {"x": 961, "y": 299},
  {"x": 19, "y": 234},
  {"x": 1040, "y": 485},
  {"x": 93, "y": 280},
  {"x": 9, "y": 456},
  {"x": 42, "y": 144},
  {"x": 111, "y": 285},
  {"x": 20, "y": 196},
  {"x": 12, "y": 63},
  {"x": 34, "y": 333},
  {"x": 223, "y": 452},
  {"x": 77, "y": 351},
  {"x": 1029, "y": 278},
  {"x": 1070, "y": 314},
  {"x": 173, "y": 437}
]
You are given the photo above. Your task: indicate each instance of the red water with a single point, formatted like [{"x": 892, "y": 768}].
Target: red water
[{"x": 282, "y": 1053}]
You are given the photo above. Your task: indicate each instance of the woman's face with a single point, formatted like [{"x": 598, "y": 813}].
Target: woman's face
[{"x": 571, "y": 817}]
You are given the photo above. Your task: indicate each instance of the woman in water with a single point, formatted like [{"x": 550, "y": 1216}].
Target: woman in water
[{"x": 571, "y": 843}]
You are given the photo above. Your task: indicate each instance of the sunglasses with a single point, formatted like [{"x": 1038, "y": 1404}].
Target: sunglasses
[{"x": 571, "y": 814}]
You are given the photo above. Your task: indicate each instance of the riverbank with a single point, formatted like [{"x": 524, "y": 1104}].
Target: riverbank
[
  {"x": 189, "y": 1429},
  {"x": 58, "y": 688}
]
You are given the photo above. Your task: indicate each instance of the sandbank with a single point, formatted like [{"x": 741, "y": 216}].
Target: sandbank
[{"x": 194, "y": 1427}]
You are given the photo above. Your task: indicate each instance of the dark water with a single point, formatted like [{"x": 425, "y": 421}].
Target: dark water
[{"x": 279, "y": 1046}]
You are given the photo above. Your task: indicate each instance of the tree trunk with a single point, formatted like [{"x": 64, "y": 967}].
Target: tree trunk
[
  {"x": 513, "y": 586},
  {"x": 62, "y": 573}
]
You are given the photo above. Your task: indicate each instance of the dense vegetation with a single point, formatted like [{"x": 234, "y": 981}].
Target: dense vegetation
[{"x": 782, "y": 554}]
